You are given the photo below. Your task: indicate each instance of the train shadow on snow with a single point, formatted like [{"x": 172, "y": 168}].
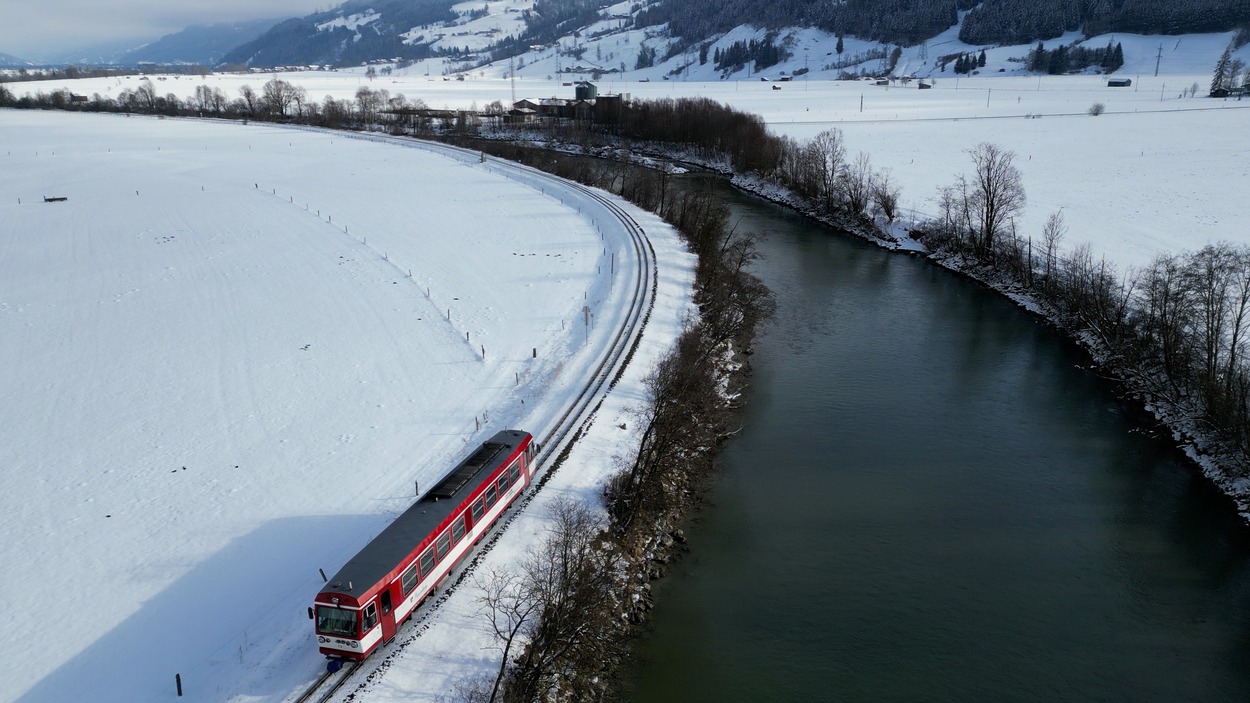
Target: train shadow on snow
[{"x": 222, "y": 624}]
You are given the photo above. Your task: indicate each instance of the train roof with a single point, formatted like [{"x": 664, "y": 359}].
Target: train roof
[{"x": 393, "y": 544}]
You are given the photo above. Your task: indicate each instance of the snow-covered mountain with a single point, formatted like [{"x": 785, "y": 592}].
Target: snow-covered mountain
[
  {"x": 198, "y": 44},
  {"x": 356, "y": 31},
  {"x": 10, "y": 61},
  {"x": 362, "y": 30}
]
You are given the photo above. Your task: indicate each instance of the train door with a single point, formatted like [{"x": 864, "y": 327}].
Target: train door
[
  {"x": 530, "y": 455},
  {"x": 388, "y": 616}
]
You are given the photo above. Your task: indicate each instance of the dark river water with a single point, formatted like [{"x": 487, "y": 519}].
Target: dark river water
[{"x": 931, "y": 500}]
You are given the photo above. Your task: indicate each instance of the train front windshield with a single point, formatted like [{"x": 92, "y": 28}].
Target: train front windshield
[{"x": 336, "y": 621}]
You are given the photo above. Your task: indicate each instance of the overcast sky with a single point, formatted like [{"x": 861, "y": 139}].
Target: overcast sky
[{"x": 32, "y": 29}]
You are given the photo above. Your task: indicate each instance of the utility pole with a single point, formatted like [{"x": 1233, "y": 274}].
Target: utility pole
[{"x": 1158, "y": 58}]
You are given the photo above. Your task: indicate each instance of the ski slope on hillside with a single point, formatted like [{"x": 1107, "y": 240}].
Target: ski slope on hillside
[{"x": 228, "y": 355}]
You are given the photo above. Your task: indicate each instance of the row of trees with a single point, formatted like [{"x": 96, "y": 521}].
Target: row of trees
[
  {"x": 967, "y": 63},
  {"x": 1021, "y": 21},
  {"x": 1178, "y": 330},
  {"x": 277, "y": 100},
  {"x": 1071, "y": 57},
  {"x": 555, "y": 618},
  {"x": 988, "y": 22},
  {"x": 762, "y": 54}
]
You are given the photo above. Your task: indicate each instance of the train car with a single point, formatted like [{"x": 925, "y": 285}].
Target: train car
[{"x": 378, "y": 589}]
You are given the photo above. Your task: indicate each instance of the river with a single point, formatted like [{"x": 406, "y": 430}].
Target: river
[{"x": 932, "y": 500}]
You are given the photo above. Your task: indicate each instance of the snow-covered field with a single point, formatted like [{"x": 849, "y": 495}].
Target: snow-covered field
[
  {"x": 227, "y": 357},
  {"x": 1158, "y": 170}
]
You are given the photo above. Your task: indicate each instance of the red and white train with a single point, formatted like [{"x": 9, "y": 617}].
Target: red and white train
[{"x": 379, "y": 588}]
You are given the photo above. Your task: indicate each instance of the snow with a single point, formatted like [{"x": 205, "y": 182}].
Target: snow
[
  {"x": 220, "y": 376},
  {"x": 350, "y": 22},
  {"x": 503, "y": 18},
  {"x": 188, "y": 306}
]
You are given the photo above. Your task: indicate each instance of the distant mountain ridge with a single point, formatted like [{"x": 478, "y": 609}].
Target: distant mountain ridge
[
  {"x": 198, "y": 44},
  {"x": 357, "y": 31},
  {"x": 360, "y": 30},
  {"x": 10, "y": 61}
]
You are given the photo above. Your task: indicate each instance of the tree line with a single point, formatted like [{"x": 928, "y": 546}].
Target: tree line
[
  {"x": 1176, "y": 332},
  {"x": 911, "y": 22},
  {"x": 1023, "y": 21},
  {"x": 762, "y": 54},
  {"x": 277, "y": 100},
  {"x": 1073, "y": 57}
]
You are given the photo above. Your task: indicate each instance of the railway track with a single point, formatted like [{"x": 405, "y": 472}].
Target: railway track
[
  {"x": 555, "y": 441},
  {"x": 327, "y": 685}
]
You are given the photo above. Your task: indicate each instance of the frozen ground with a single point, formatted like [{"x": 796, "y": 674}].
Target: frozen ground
[{"x": 228, "y": 356}]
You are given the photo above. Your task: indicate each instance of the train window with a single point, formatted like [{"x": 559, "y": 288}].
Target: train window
[
  {"x": 514, "y": 473},
  {"x": 371, "y": 617},
  {"x": 502, "y": 483},
  {"x": 457, "y": 530},
  {"x": 477, "y": 510},
  {"x": 336, "y": 621},
  {"x": 409, "y": 580},
  {"x": 444, "y": 545},
  {"x": 491, "y": 495},
  {"x": 427, "y": 563}
]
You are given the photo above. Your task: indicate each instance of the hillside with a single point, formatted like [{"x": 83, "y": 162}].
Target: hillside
[
  {"x": 359, "y": 31},
  {"x": 355, "y": 32},
  {"x": 9, "y": 61},
  {"x": 203, "y": 45}
]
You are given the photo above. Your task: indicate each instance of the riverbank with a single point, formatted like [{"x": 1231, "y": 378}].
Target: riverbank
[{"x": 1226, "y": 470}]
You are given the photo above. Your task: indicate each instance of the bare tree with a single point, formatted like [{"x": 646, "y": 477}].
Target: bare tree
[
  {"x": 145, "y": 95},
  {"x": 278, "y": 96},
  {"x": 996, "y": 194},
  {"x": 251, "y": 101},
  {"x": 202, "y": 100},
  {"x": 369, "y": 102},
  {"x": 1211, "y": 276},
  {"x": 510, "y": 604},
  {"x": 299, "y": 100},
  {"x": 825, "y": 157},
  {"x": 885, "y": 195},
  {"x": 1051, "y": 235},
  {"x": 855, "y": 185},
  {"x": 218, "y": 101},
  {"x": 571, "y": 576}
]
